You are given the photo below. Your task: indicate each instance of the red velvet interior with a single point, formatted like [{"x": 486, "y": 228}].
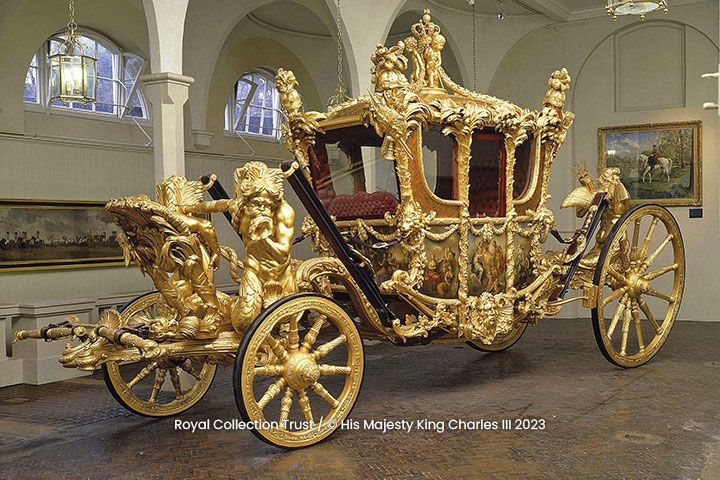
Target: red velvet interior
[{"x": 360, "y": 204}]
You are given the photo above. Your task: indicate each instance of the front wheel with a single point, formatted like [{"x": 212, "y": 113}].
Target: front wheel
[
  {"x": 640, "y": 276},
  {"x": 139, "y": 386},
  {"x": 305, "y": 351}
]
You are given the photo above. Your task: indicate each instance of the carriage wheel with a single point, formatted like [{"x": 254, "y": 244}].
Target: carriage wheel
[
  {"x": 138, "y": 386},
  {"x": 502, "y": 342},
  {"x": 296, "y": 385},
  {"x": 640, "y": 277}
]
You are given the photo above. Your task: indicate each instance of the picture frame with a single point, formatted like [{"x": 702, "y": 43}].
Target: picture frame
[
  {"x": 57, "y": 234},
  {"x": 673, "y": 177}
]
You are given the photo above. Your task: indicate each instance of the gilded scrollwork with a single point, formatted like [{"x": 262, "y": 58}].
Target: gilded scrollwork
[
  {"x": 420, "y": 326},
  {"x": 488, "y": 316}
]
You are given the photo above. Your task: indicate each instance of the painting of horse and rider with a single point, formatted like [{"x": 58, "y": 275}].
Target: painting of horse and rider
[{"x": 659, "y": 163}]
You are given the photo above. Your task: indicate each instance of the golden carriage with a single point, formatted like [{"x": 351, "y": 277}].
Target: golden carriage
[{"x": 428, "y": 209}]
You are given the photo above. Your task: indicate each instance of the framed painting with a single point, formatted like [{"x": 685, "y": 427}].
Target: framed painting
[
  {"x": 49, "y": 234},
  {"x": 659, "y": 163}
]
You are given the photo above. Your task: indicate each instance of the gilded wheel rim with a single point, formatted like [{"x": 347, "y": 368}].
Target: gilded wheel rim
[
  {"x": 157, "y": 388},
  {"x": 641, "y": 284},
  {"x": 301, "y": 372}
]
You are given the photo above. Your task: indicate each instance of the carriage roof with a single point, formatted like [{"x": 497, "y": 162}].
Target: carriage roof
[{"x": 402, "y": 107}]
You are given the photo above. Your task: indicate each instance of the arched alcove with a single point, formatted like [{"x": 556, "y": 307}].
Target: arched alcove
[
  {"x": 23, "y": 31},
  {"x": 615, "y": 69},
  {"x": 306, "y": 29}
]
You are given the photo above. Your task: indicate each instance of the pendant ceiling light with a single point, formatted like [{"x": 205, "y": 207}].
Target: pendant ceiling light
[
  {"x": 73, "y": 68},
  {"x": 634, "y": 7}
]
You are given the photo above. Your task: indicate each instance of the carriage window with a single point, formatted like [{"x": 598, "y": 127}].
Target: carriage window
[
  {"x": 349, "y": 175},
  {"x": 487, "y": 174},
  {"x": 439, "y": 154},
  {"x": 524, "y": 163}
]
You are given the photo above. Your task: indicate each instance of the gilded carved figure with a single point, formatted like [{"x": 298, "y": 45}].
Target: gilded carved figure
[
  {"x": 265, "y": 222},
  {"x": 425, "y": 47}
]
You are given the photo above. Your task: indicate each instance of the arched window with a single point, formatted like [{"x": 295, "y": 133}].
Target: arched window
[
  {"x": 118, "y": 87},
  {"x": 254, "y": 107}
]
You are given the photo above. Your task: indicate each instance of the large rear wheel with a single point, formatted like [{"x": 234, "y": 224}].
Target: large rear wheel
[{"x": 640, "y": 276}]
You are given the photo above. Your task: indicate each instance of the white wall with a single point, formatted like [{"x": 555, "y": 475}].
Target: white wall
[
  {"x": 687, "y": 40},
  {"x": 62, "y": 157}
]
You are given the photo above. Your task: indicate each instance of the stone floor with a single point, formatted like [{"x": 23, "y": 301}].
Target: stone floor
[{"x": 658, "y": 421}]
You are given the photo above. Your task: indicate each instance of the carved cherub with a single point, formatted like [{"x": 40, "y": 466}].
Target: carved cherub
[
  {"x": 558, "y": 84},
  {"x": 425, "y": 47}
]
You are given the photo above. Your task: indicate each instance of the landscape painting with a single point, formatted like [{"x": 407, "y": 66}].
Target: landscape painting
[
  {"x": 659, "y": 163},
  {"x": 54, "y": 234}
]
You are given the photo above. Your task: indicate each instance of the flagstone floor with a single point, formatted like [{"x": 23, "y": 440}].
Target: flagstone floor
[{"x": 659, "y": 421}]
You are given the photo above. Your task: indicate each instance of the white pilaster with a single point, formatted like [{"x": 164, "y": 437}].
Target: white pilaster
[
  {"x": 11, "y": 369},
  {"x": 168, "y": 92}
]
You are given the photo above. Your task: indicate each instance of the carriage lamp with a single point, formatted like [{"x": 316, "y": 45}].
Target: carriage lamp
[
  {"x": 634, "y": 7},
  {"x": 73, "y": 69}
]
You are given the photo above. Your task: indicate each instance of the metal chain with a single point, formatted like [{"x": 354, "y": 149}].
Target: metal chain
[
  {"x": 340, "y": 95},
  {"x": 474, "y": 54},
  {"x": 338, "y": 25},
  {"x": 72, "y": 26}
]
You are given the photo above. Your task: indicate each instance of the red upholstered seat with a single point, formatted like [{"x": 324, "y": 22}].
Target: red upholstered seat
[{"x": 360, "y": 205}]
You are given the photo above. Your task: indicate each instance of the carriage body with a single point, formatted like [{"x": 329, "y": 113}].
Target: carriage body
[
  {"x": 458, "y": 215},
  {"x": 427, "y": 207}
]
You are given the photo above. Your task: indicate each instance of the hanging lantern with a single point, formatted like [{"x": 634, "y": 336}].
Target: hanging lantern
[{"x": 73, "y": 69}]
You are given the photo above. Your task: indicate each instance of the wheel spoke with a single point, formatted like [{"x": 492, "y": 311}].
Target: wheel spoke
[
  {"x": 624, "y": 256},
  {"x": 175, "y": 378},
  {"x": 142, "y": 374},
  {"x": 648, "y": 314},
  {"x": 635, "y": 239},
  {"x": 616, "y": 317},
  {"x": 638, "y": 327},
  {"x": 276, "y": 347},
  {"x": 320, "y": 390},
  {"x": 655, "y": 293},
  {"x": 614, "y": 295},
  {"x": 651, "y": 258},
  {"x": 159, "y": 380},
  {"x": 334, "y": 370},
  {"x": 313, "y": 333},
  {"x": 662, "y": 271},
  {"x": 625, "y": 331},
  {"x": 285, "y": 405},
  {"x": 187, "y": 366},
  {"x": 304, "y": 402},
  {"x": 270, "y": 370},
  {"x": 616, "y": 275},
  {"x": 328, "y": 347},
  {"x": 293, "y": 335},
  {"x": 272, "y": 392},
  {"x": 648, "y": 236}
]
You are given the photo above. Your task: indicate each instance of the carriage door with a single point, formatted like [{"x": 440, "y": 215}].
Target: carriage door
[{"x": 487, "y": 175}]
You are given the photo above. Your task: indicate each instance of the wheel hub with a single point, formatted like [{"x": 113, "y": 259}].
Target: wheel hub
[
  {"x": 637, "y": 285},
  {"x": 301, "y": 370}
]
